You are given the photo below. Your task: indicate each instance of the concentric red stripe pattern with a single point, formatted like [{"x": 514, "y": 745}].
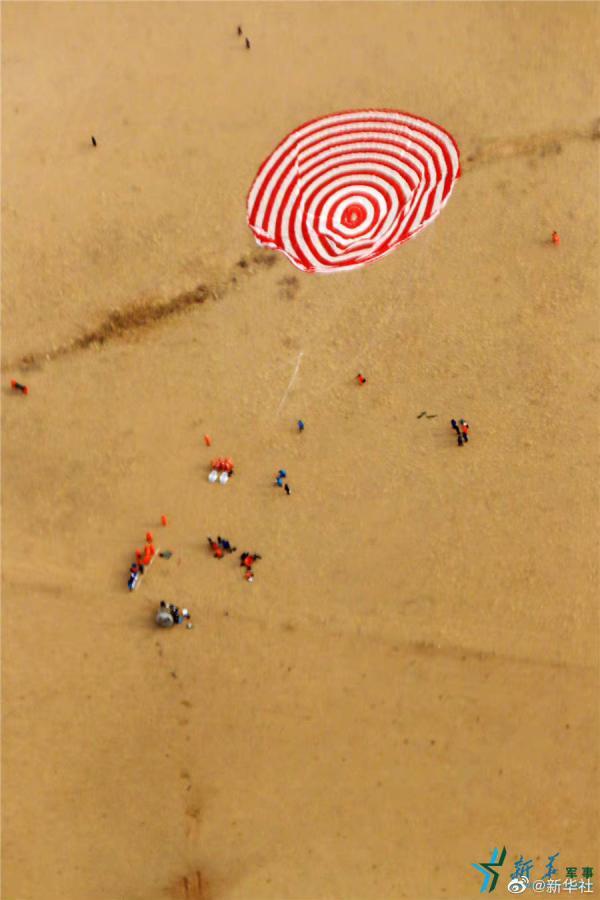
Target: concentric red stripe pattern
[{"x": 344, "y": 190}]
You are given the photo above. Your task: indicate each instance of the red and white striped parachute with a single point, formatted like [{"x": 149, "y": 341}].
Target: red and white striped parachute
[{"x": 346, "y": 189}]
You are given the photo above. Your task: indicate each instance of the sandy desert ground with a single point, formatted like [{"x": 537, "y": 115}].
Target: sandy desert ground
[{"x": 412, "y": 678}]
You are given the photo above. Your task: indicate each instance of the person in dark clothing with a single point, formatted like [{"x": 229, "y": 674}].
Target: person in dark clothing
[
  {"x": 287, "y": 489},
  {"x": 247, "y": 44},
  {"x": 225, "y": 545}
]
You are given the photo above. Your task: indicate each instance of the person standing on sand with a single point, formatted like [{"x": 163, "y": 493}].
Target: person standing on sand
[
  {"x": 134, "y": 577},
  {"x": 225, "y": 545},
  {"x": 216, "y": 549},
  {"x": 248, "y": 559},
  {"x": 462, "y": 432},
  {"x": 247, "y": 44},
  {"x": 287, "y": 489}
]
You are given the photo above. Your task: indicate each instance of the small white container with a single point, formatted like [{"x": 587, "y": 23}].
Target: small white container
[
  {"x": 223, "y": 477},
  {"x": 213, "y": 476}
]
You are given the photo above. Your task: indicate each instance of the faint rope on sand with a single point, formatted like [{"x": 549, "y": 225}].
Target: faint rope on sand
[{"x": 291, "y": 382}]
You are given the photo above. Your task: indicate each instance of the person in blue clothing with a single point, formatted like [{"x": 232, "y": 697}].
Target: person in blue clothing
[
  {"x": 225, "y": 545},
  {"x": 134, "y": 577}
]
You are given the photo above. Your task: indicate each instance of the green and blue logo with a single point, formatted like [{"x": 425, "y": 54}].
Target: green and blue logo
[{"x": 488, "y": 870}]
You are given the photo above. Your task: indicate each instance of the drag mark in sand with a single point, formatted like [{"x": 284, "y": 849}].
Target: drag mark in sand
[
  {"x": 120, "y": 323},
  {"x": 291, "y": 382},
  {"x": 140, "y": 315},
  {"x": 548, "y": 144},
  {"x": 191, "y": 887}
]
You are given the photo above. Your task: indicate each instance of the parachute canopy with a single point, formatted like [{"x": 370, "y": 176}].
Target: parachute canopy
[{"x": 346, "y": 189}]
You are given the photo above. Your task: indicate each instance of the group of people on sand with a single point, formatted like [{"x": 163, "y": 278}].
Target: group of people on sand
[
  {"x": 280, "y": 483},
  {"x": 462, "y": 430},
  {"x": 142, "y": 560},
  {"x": 168, "y": 615},
  {"x": 220, "y": 546},
  {"x": 247, "y": 560}
]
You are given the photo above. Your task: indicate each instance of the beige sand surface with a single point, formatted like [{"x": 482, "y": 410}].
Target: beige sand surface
[{"x": 412, "y": 678}]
